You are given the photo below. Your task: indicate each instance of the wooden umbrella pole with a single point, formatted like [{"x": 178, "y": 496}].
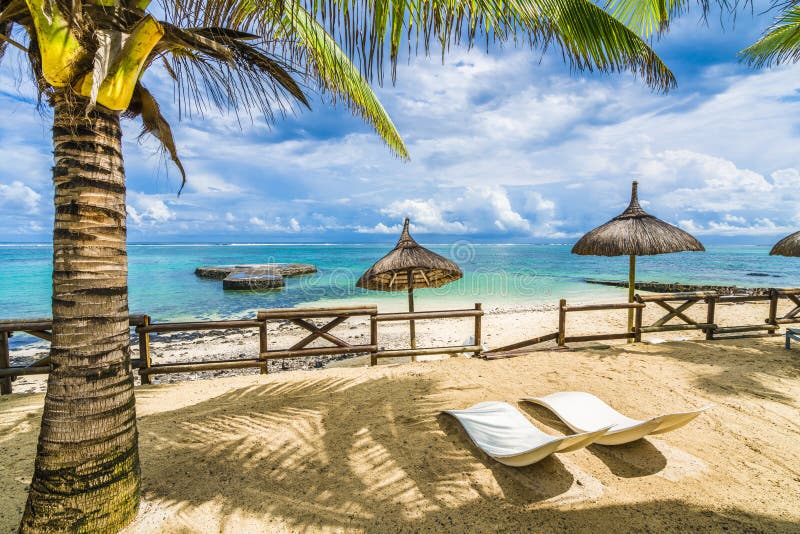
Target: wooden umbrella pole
[
  {"x": 631, "y": 291},
  {"x": 411, "y": 309}
]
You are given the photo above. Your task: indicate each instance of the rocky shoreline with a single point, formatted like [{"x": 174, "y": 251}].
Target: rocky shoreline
[{"x": 675, "y": 287}]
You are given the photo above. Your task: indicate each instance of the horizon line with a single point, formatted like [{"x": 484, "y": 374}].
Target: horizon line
[{"x": 331, "y": 243}]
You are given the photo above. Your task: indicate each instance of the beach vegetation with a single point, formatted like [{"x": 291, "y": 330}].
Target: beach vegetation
[{"x": 780, "y": 43}]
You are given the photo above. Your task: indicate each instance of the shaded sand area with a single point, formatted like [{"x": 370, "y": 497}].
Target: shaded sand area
[{"x": 365, "y": 449}]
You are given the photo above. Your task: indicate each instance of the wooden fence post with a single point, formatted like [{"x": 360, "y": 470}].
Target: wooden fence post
[
  {"x": 478, "y": 327},
  {"x": 562, "y": 322},
  {"x": 144, "y": 348},
  {"x": 637, "y": 326},
  {"x": 712, "y": 305},
  {"x": 262, "y": 345},
  {"x": 5, "y": 363},
  {"x": 373, "y": 338},
  {"x": 773, "y": 307}
]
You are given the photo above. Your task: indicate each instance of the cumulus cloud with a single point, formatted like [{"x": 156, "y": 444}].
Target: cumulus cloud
[
  {"x": 148, "y": 210},
  {"x": 20, "y": 197},
  {"x": 736, "y": 226},
  {"x": 488, "y": 210},
  {"x": 275, "y": 225},
  {"x": 428, "y": 216}
]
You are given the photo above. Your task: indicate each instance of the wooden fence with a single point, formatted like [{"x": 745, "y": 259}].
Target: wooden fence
[
  {"x": 41, "y": 328},
  {"x": 301, "y": 317},
  {"x": 476, "y": 313},
  {"x": 564, "y": 309},
  {"x": 675, "y": 318},
  {"x": 711, "y": 326},
  {"x": 676, "y": 305}
]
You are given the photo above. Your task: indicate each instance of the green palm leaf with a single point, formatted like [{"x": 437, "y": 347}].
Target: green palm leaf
[
  {"x": 653, "y": 17},
  {"x": 337, "y": 74},
  {"x": 588, "y": 36},
  {"x": 780, "y": 43},
  {"x": 591, "y": 38},
  {"x": 648, "y": 17}
]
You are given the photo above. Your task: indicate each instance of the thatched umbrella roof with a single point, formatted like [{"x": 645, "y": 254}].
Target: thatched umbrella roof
[
  {"x": 635, "y": 233},
  {"x": 390, "y": 273},
  {"x": 788, "y": 246}
]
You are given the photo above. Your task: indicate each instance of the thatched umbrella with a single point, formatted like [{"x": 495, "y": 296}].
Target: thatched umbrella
[
  {"x": 635, "y": 233},
  {"x": 409, "y": 266},
  {"x": 788, "y": 246}
]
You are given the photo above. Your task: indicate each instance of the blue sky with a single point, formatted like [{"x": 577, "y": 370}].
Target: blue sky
[{"x": 508, "y": 146}]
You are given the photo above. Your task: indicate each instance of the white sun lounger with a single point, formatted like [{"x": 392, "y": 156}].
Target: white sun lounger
[
  {"x": 583, "y": 412},
  {"x": 502, "y": 432}
]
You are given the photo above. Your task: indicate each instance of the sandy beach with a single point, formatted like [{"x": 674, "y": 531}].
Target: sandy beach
[{"x": 358, "y": 449}]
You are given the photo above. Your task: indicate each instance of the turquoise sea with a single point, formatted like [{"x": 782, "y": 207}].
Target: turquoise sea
[{"x": 163, "y": 285}]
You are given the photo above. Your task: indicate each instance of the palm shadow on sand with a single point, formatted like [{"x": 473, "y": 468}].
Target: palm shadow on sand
[
  {"x": 369, "y": 455},
  {"x": 737, "y": 365},
  {"x": 340, "y": 454}
]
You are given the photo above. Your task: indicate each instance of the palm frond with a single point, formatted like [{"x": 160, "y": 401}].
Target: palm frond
[
  {"x": 229, "y": 70},
  {"x": 15, "y": 11},
  {"x": 144, "y": 105},
  {"x": 592, "y": 39},
  {"x": 372, "y": 33},
  {"x": 648, "y": 17},
  {"x": 588, "y": 37},
  {"x": 337, "y": 74},
  {"x": 779, "y": 44},
  {"x": 247, "y": 16},
  {"x": 5, "y": 38}
]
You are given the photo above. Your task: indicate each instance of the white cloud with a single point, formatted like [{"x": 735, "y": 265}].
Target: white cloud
[
  {"x": 488, "y": 209},
  {"x": 148, "y": 210},
  {"x": 19, "y": 197},
  {"x": 275, "y": 225},
  {"x": 208, "y": 183},
  {"x": 428, "y": 216},
  {"x": 740, "y": 227}
]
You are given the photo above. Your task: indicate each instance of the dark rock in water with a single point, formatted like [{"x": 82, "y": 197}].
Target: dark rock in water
[
  {"x": 252, "y": 281},
  {"x": 214, "y": 273},
  {"x": 218, "y": 272},
  {"x": 662, "y": 287},
  {"x": 763, "y": 275}
]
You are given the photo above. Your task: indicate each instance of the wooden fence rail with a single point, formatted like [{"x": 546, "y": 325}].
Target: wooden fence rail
[
  {"x": 477, "y": 313},
  {"x": 564, "y": 309},
  {"x": 145, "y": 363},
  {"x": 676, "y": 311},
  {"x": 302, "y": 317},
  {"x": 299, "y": 316},
  {"x": 711, "y": 326},
  {"x": 41, "y": 328},
  {"x": 674, "y": 318}
]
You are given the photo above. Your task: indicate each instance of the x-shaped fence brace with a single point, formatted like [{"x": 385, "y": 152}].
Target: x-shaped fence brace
[
  {"x": 320, "y": 332},
  {"x": 676, "y": 312},
  {"x": 792, "y": 314}
]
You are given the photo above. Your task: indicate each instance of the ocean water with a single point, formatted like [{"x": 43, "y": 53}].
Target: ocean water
[{"x": 162, "y": 281}]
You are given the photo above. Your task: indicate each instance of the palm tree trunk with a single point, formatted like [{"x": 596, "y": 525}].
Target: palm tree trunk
[{"x": 86, "y": 475}]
